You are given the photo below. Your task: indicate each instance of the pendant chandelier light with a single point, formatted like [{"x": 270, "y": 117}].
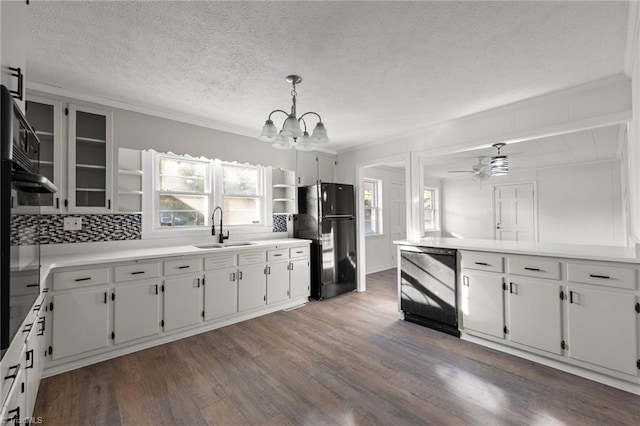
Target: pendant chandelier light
[
  {"x": 499, "y": 163},
  {"x": 292, "y": 135}
]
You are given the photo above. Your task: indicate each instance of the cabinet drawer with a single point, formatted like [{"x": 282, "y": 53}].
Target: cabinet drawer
[
  {"x": 182, "y": 266},
  {"x": 482, "y": 261},
  {"x": 251, "y": 258},
  {"x": 299, "y": 252},
  {"x": 219, "y": 262},
  {"x": 278, "y": 254},
  {"x": 534, "y": 267},
  {"x": 605, "y": 275},
  {"x": 81, "y": 278},
  {"x": 138, "y": 271}
]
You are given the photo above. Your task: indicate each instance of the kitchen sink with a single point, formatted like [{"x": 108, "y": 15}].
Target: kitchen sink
[{"x": 217, "y": 245}]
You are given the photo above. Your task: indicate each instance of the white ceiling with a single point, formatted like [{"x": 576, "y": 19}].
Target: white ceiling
[
  {"x": 373, "y": 70},
  {"x": 580, "y": 147}
]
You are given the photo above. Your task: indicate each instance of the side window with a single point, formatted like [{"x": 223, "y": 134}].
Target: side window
[
  {"x": 372, "y": 207},
  {"x": 430, "y": 209},
  {"x": 243, "y": 194}
]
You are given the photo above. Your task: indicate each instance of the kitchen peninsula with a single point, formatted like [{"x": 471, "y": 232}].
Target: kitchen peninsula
[{"x": 572, "y": 307}]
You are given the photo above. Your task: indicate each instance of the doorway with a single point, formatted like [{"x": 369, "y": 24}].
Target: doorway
[
  {"x": 514, "y": 212},
  {"x": 398, "y": 213}
]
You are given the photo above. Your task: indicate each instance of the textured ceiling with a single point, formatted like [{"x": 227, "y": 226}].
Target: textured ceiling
[
  {"x": 579, "y": 147},
  {"x": 373, "y": 70}
]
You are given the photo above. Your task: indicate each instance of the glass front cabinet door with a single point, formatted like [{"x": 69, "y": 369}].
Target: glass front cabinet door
[{"x": 90, "y": 159}]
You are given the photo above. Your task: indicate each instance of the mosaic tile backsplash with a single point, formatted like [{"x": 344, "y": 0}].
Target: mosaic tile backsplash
[{"x": 95, "y": 228}]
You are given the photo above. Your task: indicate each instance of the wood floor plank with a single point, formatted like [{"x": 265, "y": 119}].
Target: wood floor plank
[{"x": 348, "y": 360}]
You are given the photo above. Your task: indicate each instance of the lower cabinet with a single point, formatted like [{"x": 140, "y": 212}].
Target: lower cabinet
[
  {"x": 300, "y": 278},
  {"x": 483, "y": 303},
  {"x": 251, "y": 287},
  {"x": 14, "y": 409},
  {"x": 34, "y": 359},
  {"x": 136, "y": 311},
  {"x": 182, "y": 302},
  {"x": 80, "y": 322},
  {"x": 220, "y": 293},
  {"x": 277, "y": 282},
  {"x": 535, "y": 314},
  {"x": 603, "y": 329}
]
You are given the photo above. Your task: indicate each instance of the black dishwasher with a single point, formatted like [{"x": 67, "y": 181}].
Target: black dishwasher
[{"x": 428, "y": 287}]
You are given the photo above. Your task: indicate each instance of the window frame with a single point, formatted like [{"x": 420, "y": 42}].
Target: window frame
[
  {"x": 157, "y": 192},
  {"x": 376, "y": 208},
  {"x": 435, "y": 209},
  {"x": 261, "y": 186}
]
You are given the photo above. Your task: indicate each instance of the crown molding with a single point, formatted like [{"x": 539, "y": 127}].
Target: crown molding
[
  {"x": 73, "y": 95},
  {"x": 632, "y": 45}
]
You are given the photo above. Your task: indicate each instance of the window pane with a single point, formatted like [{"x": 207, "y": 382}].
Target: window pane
[
  {"x": 241, "y": 180},
  {"x": 369, "y": 188},
  {"x": 182, "y": 210},
  {"x": 241, "y": 211},
  {"x": 182, "y": 176}
]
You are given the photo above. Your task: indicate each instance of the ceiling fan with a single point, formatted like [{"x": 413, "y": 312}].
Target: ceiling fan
[{"x": 479, "y": 171}]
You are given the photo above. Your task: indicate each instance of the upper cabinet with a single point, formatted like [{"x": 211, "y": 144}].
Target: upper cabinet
[
  {"x": 312, "y": 167},
  {"x": 13, "y": 47},
  {"x": 76, "y": 154},
  {"x": 45, "y": 116},
  {"x": 90, "y": 159}
]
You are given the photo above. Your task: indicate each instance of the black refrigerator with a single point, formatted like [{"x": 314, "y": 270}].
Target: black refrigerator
[{"x": 326, "y": 217}]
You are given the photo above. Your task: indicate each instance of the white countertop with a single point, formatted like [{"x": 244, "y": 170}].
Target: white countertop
[
  {"x": 50, "y": 262},
  {"x": 573, "y": 251}
]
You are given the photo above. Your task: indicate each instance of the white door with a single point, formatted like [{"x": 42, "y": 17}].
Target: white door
[
  {"x": 300, "y": 278},
  {"x": 80, "y": 322},
  {"x": 220, "y": 293},
  {"x": 602, "y": 329},
  {"x": 514, "y": 212},
  {"x": 535, "y": 314},
  {"x": 182, "y": 302},
  {"x": 251, "y": 287},
  {"x": 136, "y": 311},
  {"x": 277, "y": 282},
  {"x": 482, "y": 303},
  {"x": 398, "y": 213}
]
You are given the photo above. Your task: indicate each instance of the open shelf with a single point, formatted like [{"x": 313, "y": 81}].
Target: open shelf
[{"x": 284, "y": 191}]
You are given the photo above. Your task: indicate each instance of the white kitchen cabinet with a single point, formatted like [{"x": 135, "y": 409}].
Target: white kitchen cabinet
[
  {"x": 535, "y": 316},
  {"x": 603, "y": 329},
  {"x": 300, "y": 278},
  {"x": 312, "y": 167},
  {"x": 277, "y": 282},
  {"x": 90, "y": 146},
  {"x": 136, "y": 311},
  {"x": 252, "y": 288},
  {"x": 182, "y": 302},
  {"x": 13, "y": 36},
  {"x": 14, "y": 410},
  {"x": 45, "y": 116},
  {"x": 483, "y": 303},
  {"x": 34, "y": 360},
  {"x": 220, "y": 293},
  {"x": 80, "y": 322}
]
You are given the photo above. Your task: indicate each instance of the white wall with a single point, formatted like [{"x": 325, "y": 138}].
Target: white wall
[
  {"x": 633, "y": 160},
  {"x": 380, "y": 251},
  {"x": 577, "y": 204}
]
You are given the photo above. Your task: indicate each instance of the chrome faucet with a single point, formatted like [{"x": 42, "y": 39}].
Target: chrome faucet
[{"x": 221, "y": 236}]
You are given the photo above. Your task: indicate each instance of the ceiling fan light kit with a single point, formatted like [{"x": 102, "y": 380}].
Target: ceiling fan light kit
[
  {"x": 499, "y": 163},
  {"x": 292, "y": 134}
]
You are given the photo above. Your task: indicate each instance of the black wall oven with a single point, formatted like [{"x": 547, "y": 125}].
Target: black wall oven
[{"x": 20, "y": 186}]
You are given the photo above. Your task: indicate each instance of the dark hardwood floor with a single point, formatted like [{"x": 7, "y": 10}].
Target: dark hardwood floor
[{"x": 342, "y": 361}]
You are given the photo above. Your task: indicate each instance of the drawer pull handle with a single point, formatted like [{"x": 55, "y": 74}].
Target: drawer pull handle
[
  {"x": 13, "y": 375},
  {"x": 32, "y": 285},
  {"x": 233, "y": 277},
  {"x": 105, "y": 297},
  {"x": 482, "y": 263},
  {"x": 604, "y": 277},
  {"x": 27, "y": 327},
  {"x": 239, "y": 275},
  {"x": 198, "y": 280},
  {"x": 510, "y": 288},
  {"x": 526, "y": 268},
  {"x": 29, "y": 355},
  {"x": 41, "y": 321},
  {"x": 184, "y": 267},
  {"x": 82, "y": 279},
  {"x": 300, "y": 252},
  {"x": 571, "y": 297},
  {"x": 277, "y": 255},
  {"x": 137, "y": 273}
]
